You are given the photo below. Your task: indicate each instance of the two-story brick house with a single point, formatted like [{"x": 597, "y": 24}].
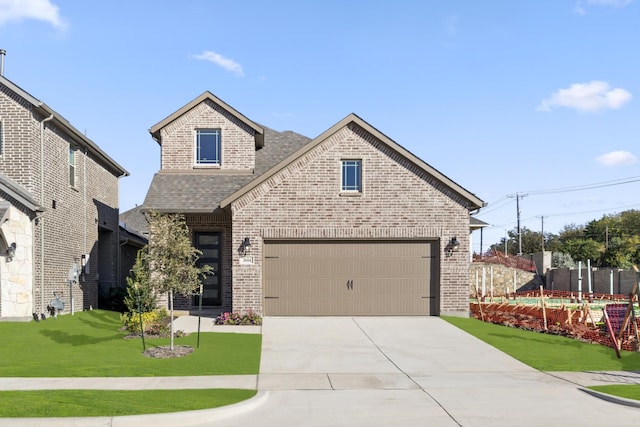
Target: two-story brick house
[
  {"x": 58, "y": 209},
  {"x": 348, "y": 223}
]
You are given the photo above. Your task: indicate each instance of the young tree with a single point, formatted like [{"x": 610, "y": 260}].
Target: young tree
[
  {"x": 172, "y": 258},
  {"x": 140, "y": 296}
]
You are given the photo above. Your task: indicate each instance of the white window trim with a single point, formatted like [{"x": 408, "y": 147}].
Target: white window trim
[
  {"x": 197, "y": 165},
  {"x": 73, "y": 184},
  {"x": 351, "y": 192}
]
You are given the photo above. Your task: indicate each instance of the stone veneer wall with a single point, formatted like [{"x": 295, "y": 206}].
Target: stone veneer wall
[
  {"x": 503, "y": 278},
  {"x": 398, "y": 201},
  {"x": 16, "y": 276}
]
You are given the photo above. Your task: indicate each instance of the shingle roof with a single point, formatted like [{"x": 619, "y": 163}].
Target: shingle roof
[
  {"x": 199, "y": 192},
  {"x": 134, "y": 221},
  {"x": 19, "y": 193},
  {"x": 477, "y": 223}
]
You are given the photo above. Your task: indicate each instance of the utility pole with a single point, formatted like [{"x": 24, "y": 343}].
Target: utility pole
[
  {"x": 518, "y": 196},
  {"x": 542, "y": 232}
]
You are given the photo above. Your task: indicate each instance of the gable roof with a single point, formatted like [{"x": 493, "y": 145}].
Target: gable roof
[
  {"x": 259, "y": 131},
  {"x": 473, "y": 201},
  {"x": 77, "y": 136},
  {"x": 18, "y": 193},
  {"x": 202, "y": 192}
]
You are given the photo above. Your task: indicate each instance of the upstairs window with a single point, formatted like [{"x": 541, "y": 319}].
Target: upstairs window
[
  {"x": 208, "y": 147},
  {"x": 351, "y": 176},
  {"x": 72, "y": 166}
]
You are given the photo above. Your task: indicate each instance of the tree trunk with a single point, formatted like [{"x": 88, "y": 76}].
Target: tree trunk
[{"x": 171, "y": 316}]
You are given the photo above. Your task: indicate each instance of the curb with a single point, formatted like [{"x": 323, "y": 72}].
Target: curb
[{"x": 610, "y": 398}]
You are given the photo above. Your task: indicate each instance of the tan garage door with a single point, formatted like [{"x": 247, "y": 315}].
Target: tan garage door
[{"x": 339, "y": 278}]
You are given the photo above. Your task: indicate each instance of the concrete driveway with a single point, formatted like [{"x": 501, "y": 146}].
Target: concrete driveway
[{"x": 387, "y": 371}]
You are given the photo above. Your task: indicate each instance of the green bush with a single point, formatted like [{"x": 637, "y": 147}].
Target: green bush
[{"x": 154, "y": 322}]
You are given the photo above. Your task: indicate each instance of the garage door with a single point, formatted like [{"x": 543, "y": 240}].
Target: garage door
[{"x": 340, "y": 278}]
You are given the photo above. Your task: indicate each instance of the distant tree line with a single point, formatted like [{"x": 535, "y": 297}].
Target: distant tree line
[{"x": 611, "y": 241}]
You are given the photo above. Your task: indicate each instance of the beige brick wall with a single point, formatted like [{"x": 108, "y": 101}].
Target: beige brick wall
[
  {"x": 178, "y": 139},
  {"x": 398, "y": 201}
]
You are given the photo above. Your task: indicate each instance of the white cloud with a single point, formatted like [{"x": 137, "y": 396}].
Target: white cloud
[
  {"x": 226, "y": 63},
  {"x": 42, "y": 10},
  {"x": 581, "y": 10},
  {"x": 587, "y": 97},
  {"x": 617, "y": 158},
  {"x": 615, "y": 3}
]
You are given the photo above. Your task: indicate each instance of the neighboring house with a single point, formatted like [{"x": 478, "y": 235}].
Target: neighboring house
[
  {"x": 349, "y": 223},
  {"x": 58, "y": 209},
  {"x": 476, "y": 224},
  {"x": 133, "y": 237}
]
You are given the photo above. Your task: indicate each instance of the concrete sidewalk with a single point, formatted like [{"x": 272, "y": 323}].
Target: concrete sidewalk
[{"x": 374, "y": 372}]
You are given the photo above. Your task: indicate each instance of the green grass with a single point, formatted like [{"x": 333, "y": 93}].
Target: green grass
[
  {"x": 90, "y": 344},
  {"x": 92, "y": 403},
  {"x": 628, "y": 391},
  {"x": 548, "y": 352}
]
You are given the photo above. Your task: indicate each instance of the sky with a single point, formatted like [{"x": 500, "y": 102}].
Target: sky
[{"x": 534, "y": 101}]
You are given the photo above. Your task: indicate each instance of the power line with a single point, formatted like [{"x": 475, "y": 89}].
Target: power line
[{"x": 586, "y": 186}]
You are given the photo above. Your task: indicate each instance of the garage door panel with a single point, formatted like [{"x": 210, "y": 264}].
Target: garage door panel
[{"x": 350, "y": 278}]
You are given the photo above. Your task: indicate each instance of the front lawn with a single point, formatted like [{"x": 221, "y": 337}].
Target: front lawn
[
  {"x": 90, "y": 344},
  {"x": 547, "y": 352},
  {"x": 109, "y": 403}
]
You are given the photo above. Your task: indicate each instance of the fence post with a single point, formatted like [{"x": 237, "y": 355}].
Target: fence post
[
  {"x": 589, "y": 275},
  {"x": 484, "y": 278},
  {"x": 579, "y": 281},
  {"x": 611, "y": 281}
]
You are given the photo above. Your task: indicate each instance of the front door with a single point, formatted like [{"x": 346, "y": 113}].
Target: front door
[{"x": 210, "y": 244}]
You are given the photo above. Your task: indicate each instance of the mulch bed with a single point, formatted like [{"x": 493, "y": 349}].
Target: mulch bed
[{"x": 165, "y": 351}]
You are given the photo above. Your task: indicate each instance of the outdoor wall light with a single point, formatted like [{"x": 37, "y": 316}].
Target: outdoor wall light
[
  {"x": 452, "y": 246},
  {"x": 242, "y": 250},
  {"x": 11, "y": 251}
]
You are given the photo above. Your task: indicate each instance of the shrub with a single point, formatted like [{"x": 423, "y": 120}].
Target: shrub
[
  {"x": 247, "y": 317},
  {"x": 153, "y": 321}
]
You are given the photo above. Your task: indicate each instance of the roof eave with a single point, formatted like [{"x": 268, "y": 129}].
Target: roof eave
[
  {"x": 473, "y": 201},
  {"x": 83, "y": 141},
  {"x": 64, "y": 123},
  {"x": 259, "y": 131}
]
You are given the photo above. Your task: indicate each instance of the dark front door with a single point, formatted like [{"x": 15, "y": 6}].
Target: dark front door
[{"x": 211, "y": 246}]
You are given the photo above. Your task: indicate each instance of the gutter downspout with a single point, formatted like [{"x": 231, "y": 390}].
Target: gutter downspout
[{"x": 42, "y": 127}]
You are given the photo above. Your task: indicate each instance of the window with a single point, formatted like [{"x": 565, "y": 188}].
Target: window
[
  {"x": 208, "y": 147},
  {"x": 351, "y": 175},
  {"x": 72, "y": 166}
]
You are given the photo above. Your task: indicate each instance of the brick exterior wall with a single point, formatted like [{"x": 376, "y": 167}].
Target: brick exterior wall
[
  {"x": 398, "y": 200},
  {"x": 178, "y": 139},
  {"x": 74, "y": 216}
]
